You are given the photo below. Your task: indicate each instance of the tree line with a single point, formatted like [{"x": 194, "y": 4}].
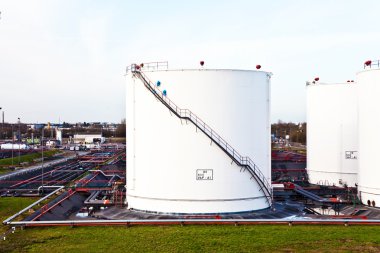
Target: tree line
[{"x": 296, "y": 131}]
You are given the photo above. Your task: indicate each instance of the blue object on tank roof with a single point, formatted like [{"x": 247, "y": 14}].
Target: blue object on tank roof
[
  {"x": 158, "y": 83},
  {"x": 164, "y": 92}
]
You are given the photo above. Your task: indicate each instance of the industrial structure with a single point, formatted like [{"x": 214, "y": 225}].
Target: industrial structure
[
  {"x": 14, "y": 146},
  {"x": 369, "y": 121},
  {"x": 342, "y": 134},
  {"x": 332, "y": 136},
  {"x": 198, "y": 140},
  {"x": 199, "y": 153},
  {"x": 88, "y": 138},
  {"x": 58, "y": 134}
]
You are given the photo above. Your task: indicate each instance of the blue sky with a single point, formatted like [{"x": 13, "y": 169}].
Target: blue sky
[{"x": 66, "y": 59}]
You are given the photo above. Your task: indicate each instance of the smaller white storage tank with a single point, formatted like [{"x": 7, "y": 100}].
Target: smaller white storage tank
[
  {"x": 369, "y": 137},
  {"x": 332, "y": 145}
]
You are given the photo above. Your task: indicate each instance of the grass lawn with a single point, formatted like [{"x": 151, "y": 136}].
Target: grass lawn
[
  {"x": 10, "y": 206},
  {"x": 27, "y": 158},
  {"x": 213, "y": 238},
  {"x": 5, "y": 170}
]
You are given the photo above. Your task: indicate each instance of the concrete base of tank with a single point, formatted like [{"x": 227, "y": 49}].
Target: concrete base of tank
[{"x": 278, "y": 211}]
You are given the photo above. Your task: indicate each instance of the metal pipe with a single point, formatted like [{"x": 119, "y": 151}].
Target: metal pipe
[
  {"x": 285, "y": 221},
  {"x": 111, "y": 175},
  {"x": 8, "y": 221},
  {"x": 2, "y": 125},
  {"x": 34, "y": 168},
  {"x": 91, "y": 200},
  {"x": 42, "y": 154},
  {"x": 13, "y": 140},
  {"x": 19, "y": 140}
]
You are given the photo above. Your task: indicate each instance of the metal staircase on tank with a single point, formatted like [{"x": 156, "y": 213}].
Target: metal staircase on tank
[{"x": 243, "y": 161}]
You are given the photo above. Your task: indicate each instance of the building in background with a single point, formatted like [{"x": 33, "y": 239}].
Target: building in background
[{"x": 88, "y": 139}]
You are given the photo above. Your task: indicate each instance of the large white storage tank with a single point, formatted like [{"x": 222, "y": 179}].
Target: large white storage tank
[
  {"x": 332, "y": 142},
  {"x": 369, "y": 138},
  {"x": 172, "y": 166}
]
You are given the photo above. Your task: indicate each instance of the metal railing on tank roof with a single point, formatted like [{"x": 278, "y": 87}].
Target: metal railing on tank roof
[{"x": 149, "y": 66}]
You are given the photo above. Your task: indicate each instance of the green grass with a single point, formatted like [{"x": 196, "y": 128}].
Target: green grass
[
  {"x": 27, "y": 158},
  {"x": 10, "y": 206},
  {"x": 5, "y": 170},
  {"x": 223, "y": 238},
  {"x": 202, "y": 238}
]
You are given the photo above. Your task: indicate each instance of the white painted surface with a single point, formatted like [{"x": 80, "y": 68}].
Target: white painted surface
[
  {"x": 14, "y": 146},
  {"x": 59, "y": 135},
  {"x": 165, "y": 155},
  {"x": 369, "y": 138},
  {"x": 88, "y": 138},
  {"x": 332, "y": 142}
]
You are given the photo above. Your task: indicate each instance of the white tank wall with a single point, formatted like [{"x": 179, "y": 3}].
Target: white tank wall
[
  {"x": 369, "y": 138},
  {"x": 332, "y": 142},
  {"x": 164, "y": 153}
]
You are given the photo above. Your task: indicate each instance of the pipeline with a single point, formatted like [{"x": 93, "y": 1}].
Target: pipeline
[
  {"x": 290, "y": 222},
  {"x": 8, "y": 221}
]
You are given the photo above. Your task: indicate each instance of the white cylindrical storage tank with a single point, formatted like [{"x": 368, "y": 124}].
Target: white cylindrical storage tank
[
  {"x": 332, "y": 142},
  {"x": 172, "y": 166},
  {"x": 369, "y": 138}
]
